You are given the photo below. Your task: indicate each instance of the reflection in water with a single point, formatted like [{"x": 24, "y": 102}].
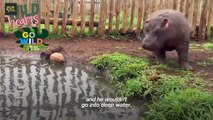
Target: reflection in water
[{"x": 32, "y": 90}]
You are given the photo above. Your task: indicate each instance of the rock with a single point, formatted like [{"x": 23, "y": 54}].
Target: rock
[{"x": 57, "y": 57}]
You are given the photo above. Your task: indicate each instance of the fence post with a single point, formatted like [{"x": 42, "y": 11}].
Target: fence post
[
  {"x": 64, "y": 22},
  {"x": 202, "y": 27},
  {"x": 2, "y": 14},
  {"x": 182, "y": 4},
  {"x": 29, "y": 9},
  {"x": 92, "y": 16},
  {"x": 20, "y": 2},
  {"x": 47, "y": 14},
  {"x": 56, "y": 15},
  {"x": 140, "y": 13},
  {"x": 188, "y": 10},
  {"x": 39, "y": 14},
  {"x": 210, "y": 18},
  {"x": 175, "y": 4},
  {"x": 195, "y": 16},
  {"x": 74, "y": 18},
  {"x": 117, "y": 12},
  {"x": 83, "y": 16},
  {"x": 132, "y": 15},
  {"x": 146, "y": 9},
  {"x": 102, "y": 20},
  {"x": 126, "y": 6},
  {"x": 11, "y": 27},
  {"x": 111, "y": 14}
]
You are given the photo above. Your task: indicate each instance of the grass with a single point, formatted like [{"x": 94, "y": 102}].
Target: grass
[
  {"x": 189, "y": 104},
  {"x": 178, "y": 97},
  {"x": 195, "y": 46},
  {"x": 208, "y": 46},
  {"x": 134, "y": 76},
  {"x": 208, "y": 62}
]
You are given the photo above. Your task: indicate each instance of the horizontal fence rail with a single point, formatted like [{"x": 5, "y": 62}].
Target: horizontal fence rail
[{"x": 101, "y": 16}]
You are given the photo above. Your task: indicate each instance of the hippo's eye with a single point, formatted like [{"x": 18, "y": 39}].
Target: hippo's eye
[{"x": 158, "y": 32}]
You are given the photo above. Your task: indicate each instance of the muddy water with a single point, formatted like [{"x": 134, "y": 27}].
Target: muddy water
[{"x": 35, "y": 90}]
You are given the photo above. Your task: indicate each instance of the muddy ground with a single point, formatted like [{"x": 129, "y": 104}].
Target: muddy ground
[{"x": 85, "y": 48}]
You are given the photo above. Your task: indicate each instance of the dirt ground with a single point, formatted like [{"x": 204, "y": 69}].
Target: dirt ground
[{"x": 84, "y": 49}]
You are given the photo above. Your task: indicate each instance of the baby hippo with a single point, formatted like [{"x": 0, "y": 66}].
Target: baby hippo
[
  {"x": 53, "y": 54},
  {"x": 167, "y": 30}
]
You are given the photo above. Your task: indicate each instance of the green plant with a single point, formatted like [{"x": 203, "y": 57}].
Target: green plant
[
  {"x": 114, "y": 35},
  {"x": 55, "y": 36},
  {"x": 189, "y": 104},
  {"x": 129, "y": 69},
  {"x": 208, "y": 62},
  {"x": 108, "y": 61},
  {"x": 208, "y": 46},
  {"x": 134, "y": 76}
]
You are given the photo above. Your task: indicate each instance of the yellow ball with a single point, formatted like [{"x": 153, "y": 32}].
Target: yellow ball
[{"x": 57, "y": 57}]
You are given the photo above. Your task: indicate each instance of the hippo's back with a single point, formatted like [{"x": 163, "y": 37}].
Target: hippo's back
[{"x": 178, "y": 20}]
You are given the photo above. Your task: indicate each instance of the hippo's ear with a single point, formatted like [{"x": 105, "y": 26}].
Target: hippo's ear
[{"x": 165, "y": 23}]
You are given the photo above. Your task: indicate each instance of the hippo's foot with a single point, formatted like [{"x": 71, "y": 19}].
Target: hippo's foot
[
  {"x": 160, "y": 57},
  {"x": 186, "y": 66}
]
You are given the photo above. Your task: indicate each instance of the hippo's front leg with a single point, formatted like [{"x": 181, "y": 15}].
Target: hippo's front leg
[
  {"x": 183, "y": 58},
  {"x": 160, "y": 57}
]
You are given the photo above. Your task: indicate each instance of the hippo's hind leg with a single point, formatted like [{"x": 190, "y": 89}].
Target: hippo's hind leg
[
  {"x": 160, "y": 57},
  {"x": 183, "y": 57}
]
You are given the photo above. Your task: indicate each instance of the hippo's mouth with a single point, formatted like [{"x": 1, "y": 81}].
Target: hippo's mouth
[{"x": 149, "y": 47}]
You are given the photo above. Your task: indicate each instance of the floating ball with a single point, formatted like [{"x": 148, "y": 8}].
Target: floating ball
[{"x": 57, "y": 57}]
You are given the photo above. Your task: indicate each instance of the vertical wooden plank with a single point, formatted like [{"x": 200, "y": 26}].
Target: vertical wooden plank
[
  {"x": 92, "y": 15},
  {"x": 20, "y": 2},
  {"x": 182, "y": 4},
  {"x": 202, "y": 27},
  {"x": 146, "y": 9},
  {"x": 111, "y": 14},
  {"x": 2, "y": 14},
  {"x": 56, "y": 16},
  {"x": 155, "y": 5},
  {"x": 170, "y": 4},
  {"x": 47, "y": 14},
  {"x": 140, "y": 13},
  {"x": 132, "y": 15},
  {"x": 39, "y": 14},
  {"x": 124, "y": 29},
  {"x": 210, "y": 18},
  {"x": 175, "y": 4},
  {"x": 83, "y": 16},
  {"x": 190, "y": 13},
  {"x": 117, "y": 14},
  {"x": 102, "y": 20},
  {"x": 150, "y": 6},
  {"x": 163, "y": 4},
  {"x": 167, "y": 2},
  {"x": 74, "y": 18},
  {"x": 64, "y": 22},
  {"x": 188, "y": 9},
  {"x": 195, "y": 16},
  {"x": 11, "y": 27},
  {"x": 29, "y": 9}
]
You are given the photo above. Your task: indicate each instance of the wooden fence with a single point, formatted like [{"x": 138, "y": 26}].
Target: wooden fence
[{"x": 114, "y": 15}]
